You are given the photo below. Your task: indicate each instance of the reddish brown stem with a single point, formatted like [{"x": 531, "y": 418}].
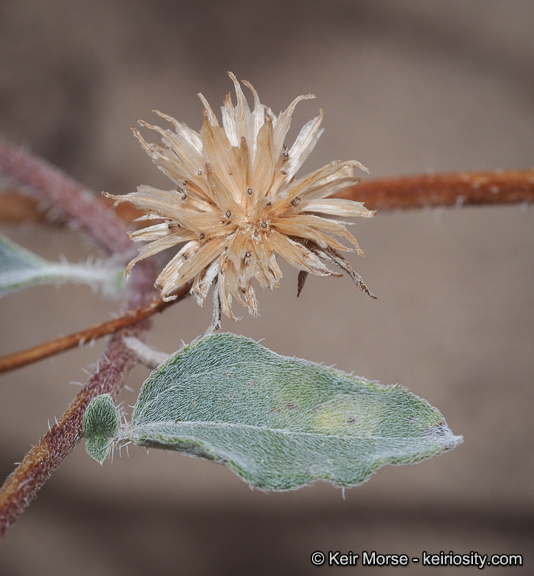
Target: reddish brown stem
[
  {"x": 17, "y": 207},
  {"x": 453, "y": 189},
  {"x": 112, "y": 369},
  {"x": 22, "y": 486},
  {"x": 403, "y": 192},
  {"x": 80, "y": 207},
  {"x": 63, "y": 343}
]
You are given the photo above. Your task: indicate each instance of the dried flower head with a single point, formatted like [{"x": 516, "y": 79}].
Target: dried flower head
[{"x": 236, "y": 203}]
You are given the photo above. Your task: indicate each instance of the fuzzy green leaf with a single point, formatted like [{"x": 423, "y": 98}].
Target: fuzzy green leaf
[
  {"x": 20, "y": 268},
  {"x": 281, "y": 422},
  {"x": 100, "y": 426},
  {"x": 17, "y": 265}
]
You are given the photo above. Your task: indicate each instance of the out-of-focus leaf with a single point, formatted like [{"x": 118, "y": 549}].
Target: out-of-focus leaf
[{"x": 20, "y": 268}]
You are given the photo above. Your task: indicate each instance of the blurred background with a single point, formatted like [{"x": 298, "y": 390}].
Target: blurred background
[{"x": 407, "y": 87}]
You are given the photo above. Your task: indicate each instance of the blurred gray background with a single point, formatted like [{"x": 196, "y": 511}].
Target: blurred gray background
[{"x": 407, "y": 87}]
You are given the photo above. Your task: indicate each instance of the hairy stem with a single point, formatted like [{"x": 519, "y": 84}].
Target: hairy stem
[
  {"x": 112, "y": 369},
  {"x": 446, "y": 189},
  {"x": 403, "y": 192},
  {"x": 63, "y": 343},
  {"x": 79, "y": 207},
  {"x": 76, "y": 204},
  {"x": 38, "y": 465}
]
